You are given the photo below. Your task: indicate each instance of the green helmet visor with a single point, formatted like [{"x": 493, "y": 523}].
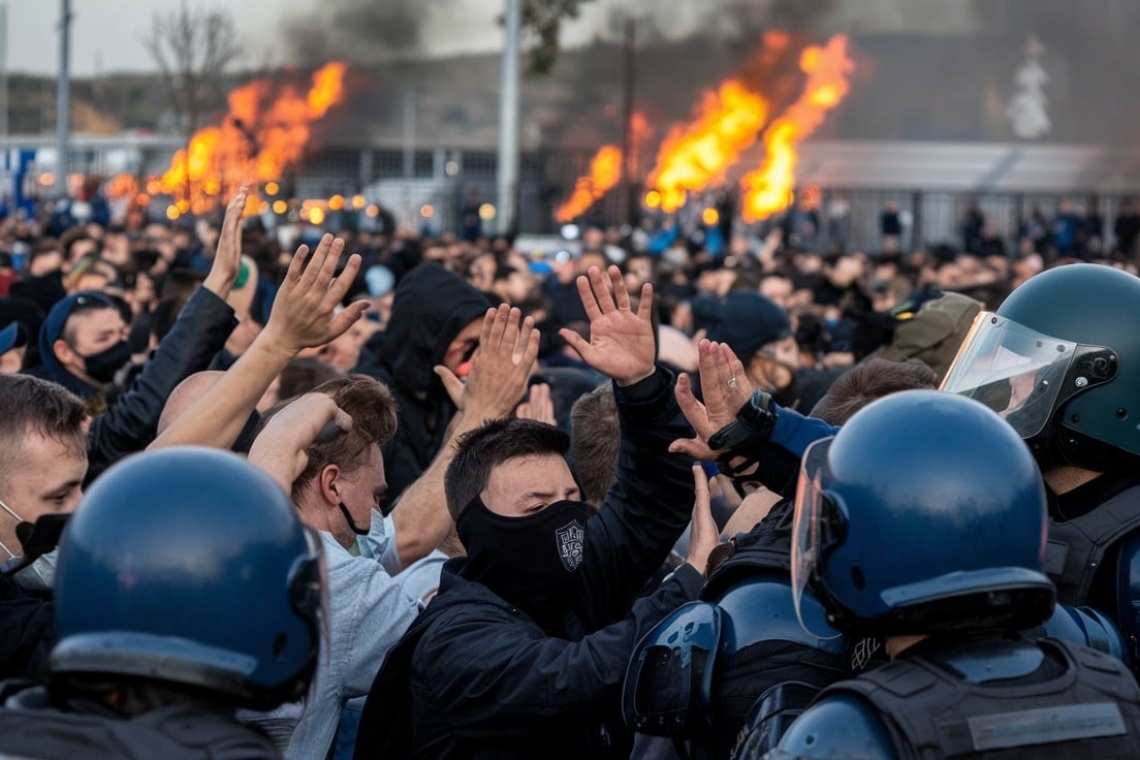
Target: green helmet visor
[{"x": 1022, "y": 374}]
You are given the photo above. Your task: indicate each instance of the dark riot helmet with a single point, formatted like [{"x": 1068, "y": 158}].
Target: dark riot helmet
[
  {"x": 1060, "y": 361},
  {"x": 925, "y": 513},
  {"x": 189, "y": 566}
]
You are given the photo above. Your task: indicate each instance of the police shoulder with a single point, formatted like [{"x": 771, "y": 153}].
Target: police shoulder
[{"x": 839, "y": 726}]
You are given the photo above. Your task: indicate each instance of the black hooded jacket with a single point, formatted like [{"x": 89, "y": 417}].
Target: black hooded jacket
[{"x": 431, "y": 307}]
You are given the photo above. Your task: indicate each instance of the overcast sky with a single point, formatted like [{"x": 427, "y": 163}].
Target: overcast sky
[{"x": 109, "y": 30}]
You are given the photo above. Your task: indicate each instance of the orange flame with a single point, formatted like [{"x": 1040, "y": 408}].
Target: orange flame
[
  {"x": 605, "y": 172},
  {"x": 264, "y": 134},
  {"x": 769, "y": 188},
  {"x": 122, "y": 186},
  {"x": 692, "y": 157}
]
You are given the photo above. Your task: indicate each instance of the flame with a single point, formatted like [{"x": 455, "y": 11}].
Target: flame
[
  {"x": 122, "y": 186},
  {"x": 605, "y": 172},
  {"x": 769, "y": 188},
  {"x": 693, "y": 156},
  {"x": 776, "y": 41},
  {"x": 265, "y": 132},
  {"x": 725, "y": 124}
]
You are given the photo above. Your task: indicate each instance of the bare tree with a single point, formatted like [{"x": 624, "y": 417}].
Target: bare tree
[
  {"x": 543, "y": 19},
  {"x": 192, "y": 48}
]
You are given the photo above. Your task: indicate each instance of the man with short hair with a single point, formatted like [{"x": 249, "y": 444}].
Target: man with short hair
[
  {"x": 43, "y": 436},
  {"x": 595, "y": 439},
  {"x": 523, "y": 651},
  {"x": 336, "y": 494}
]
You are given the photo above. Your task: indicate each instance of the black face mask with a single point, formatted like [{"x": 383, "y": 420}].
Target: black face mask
[
  {"x": 36, "y": 539},
  {"x": 101, "y": 367},
  {"x": 530, "y": 560}
]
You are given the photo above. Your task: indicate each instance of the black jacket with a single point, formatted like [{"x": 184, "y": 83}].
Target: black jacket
[
  {"x": 487, "y": 681},
  {"x": 431, "y": 307},
  {"x": 33, "y": 725},
  {"x": 27, "y": 632},
  {"x": 129, "y": 425}
]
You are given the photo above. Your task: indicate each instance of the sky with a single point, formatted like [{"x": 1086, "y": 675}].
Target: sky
[{"x": 107, "y": 31}]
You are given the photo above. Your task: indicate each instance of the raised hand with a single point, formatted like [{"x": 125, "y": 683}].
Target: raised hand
[
  {"x": 538, "y": 405},
  {"x": 500, "y": 368},
  {"x": 726, "y": 388},
  {"x": 281, "y": 448},
  {"x": 227, "y": 259},
  {"x": 304, "y": 312},
  {"x": 703, "y": 536},
  {"x": 622, "y": 345}
]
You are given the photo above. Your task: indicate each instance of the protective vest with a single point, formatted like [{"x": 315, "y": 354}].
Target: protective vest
[
  {"x": 1077, "y": 547},
  {"x": 1092, "y": 709},
  {"x": 180, "y": 732}
]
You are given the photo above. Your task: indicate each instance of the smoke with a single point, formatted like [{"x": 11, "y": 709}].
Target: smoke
[
  {"x": 359, "y": 31},
  {"x": 661, "y": 21}
]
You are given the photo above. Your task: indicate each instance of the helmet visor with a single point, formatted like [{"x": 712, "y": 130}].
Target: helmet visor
[
  {"x": 1016, "y": 371},
  {"x": 818, "y": 526}
]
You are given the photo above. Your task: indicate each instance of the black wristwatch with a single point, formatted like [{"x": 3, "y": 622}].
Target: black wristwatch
[{"x": 753, "y": 424}]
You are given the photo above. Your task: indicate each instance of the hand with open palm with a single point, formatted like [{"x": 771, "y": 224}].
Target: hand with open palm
[{"x": 622, "y": 345}]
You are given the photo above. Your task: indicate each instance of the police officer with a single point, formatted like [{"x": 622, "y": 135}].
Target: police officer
[
  {"x": 186, "y": 587},
  {"x": 742, "y": 639},
  {"x": 1060, "y": 361},
  {"x": 936, "y": 543}
]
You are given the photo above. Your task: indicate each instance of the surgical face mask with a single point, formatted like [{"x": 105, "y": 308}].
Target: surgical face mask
[
  {"x": 378, "y": 544},
  {"x": 40, "y": 575},
  {"x": 35, "y": 539}
]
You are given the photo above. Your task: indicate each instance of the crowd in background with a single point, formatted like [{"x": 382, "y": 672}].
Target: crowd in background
[{"x": 166, "y": 334}]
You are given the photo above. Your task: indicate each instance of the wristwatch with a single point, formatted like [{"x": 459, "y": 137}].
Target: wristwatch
[{"x": 753, "y": 424}]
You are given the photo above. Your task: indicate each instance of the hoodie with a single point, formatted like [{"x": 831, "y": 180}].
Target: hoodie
[
  {"x": 52, "y": 330},
  {"x": 431, "y": 307}
]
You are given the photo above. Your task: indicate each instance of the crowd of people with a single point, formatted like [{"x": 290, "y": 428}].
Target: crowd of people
[{"x": 278, "y": 493}]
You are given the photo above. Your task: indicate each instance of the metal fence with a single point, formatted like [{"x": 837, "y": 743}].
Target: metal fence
[
  {"x": 444, "y": 177},
  {"x": 937, "y": 217}
]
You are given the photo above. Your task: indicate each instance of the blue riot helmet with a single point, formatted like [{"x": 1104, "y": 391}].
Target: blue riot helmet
[
  {"x": 925, "y": 513},
  {"x": 189, "y": 566}
]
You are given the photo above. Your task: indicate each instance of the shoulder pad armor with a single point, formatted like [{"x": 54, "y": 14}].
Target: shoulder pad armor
[
  {"x": 840, "y": 726},
  {"x": 668, "y": 686}
]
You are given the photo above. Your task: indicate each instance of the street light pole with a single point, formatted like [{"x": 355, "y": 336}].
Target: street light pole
[
  {"x": 4, "y": 69},
  {"x": 63, "y": 105},
  {"x": 509, "y": 118}
]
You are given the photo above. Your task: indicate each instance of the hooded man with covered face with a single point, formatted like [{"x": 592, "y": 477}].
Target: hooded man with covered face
[
  {"x": 436, "y": 320},
  {"x": 523, "y": 651}
]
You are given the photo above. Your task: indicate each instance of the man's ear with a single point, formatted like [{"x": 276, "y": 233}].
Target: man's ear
[
  {"x": 64, "y": 352},
  {"x": 328, "y": 480}
]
